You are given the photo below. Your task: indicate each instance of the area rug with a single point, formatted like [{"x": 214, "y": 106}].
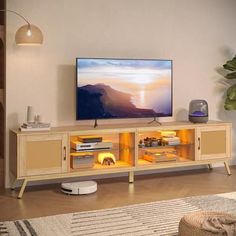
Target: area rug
[{"x": 156, "y": 218}]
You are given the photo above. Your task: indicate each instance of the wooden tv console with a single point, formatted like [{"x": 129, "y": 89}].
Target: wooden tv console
[{"x": 45, "y": 155}]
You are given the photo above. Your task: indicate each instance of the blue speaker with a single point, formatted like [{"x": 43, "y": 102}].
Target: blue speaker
[{"x": 198, "y": 111}]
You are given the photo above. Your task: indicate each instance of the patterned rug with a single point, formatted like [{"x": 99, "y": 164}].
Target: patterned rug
[{"x": 156, "y": 218}]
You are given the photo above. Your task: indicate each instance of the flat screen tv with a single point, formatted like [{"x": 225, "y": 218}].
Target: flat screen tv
[{"x": 123, "y": 88}]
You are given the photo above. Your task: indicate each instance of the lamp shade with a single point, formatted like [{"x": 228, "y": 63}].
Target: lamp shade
[{"x": 29, "y": 35}]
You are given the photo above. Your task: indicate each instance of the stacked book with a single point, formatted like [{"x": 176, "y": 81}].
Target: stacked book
[
  {"x": 170, "y": 138},
  {"x": 156, "y": 157},
  {"x": 35, "y": 126}
]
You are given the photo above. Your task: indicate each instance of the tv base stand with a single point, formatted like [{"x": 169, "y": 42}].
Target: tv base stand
[
  {"x": 47, "y": 155},
  {"x": 154, "y": 121},
  {"x": 95, "y": 123}
]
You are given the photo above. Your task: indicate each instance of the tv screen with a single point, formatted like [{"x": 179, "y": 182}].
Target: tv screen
[{"x": 123, "y": 88}]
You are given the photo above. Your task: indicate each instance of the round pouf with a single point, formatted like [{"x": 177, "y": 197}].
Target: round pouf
[{"x": 191, "y": 224}]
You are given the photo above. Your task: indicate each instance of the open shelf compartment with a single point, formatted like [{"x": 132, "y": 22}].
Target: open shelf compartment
[
  {"x": 165, "y": 147},
  {"x": 116, "y": 150}
]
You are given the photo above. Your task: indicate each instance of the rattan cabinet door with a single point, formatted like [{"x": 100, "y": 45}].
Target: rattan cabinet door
[
  {"x": 42, "y": 154},
  {"x": 213, "y": 142}
]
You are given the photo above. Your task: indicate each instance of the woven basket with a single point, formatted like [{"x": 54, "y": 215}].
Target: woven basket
[{"x": 190, "y": 225}]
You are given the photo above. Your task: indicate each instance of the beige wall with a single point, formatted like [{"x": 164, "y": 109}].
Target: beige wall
[{"x": 199, "y": 35}]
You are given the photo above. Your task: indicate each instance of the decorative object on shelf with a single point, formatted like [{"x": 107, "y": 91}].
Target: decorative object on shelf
[
  {"x": 170, "y": 141},
  {"x": 34, "y": 122},
  {"x": 106, "y": 158},
  {"x": 164, "y": 138},
  {"x": 30, "y": 114},
  {"x": 79, "y": 146},
  {"x": 89, "y": 139},
  {"x": 157, "y": 156},
  {"x": 169, "y": 138},
  {"x": 150, "y": 142},
  {"x": 27, "y": 34},
  {"x": 230, "y": 101},
  {"x": 79, "y": 188},
  {"x": 35, "y": 126},
  {"x": 141, "y": 143},
  {"x": 198, "y": 111},
  {"x": 38, "y": 119},
  {"x": 168, "y": 134},
  {"x": 81, "y": 160}
]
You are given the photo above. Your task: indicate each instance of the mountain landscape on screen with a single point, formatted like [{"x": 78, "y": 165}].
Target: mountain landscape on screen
[
  {"x": 111, "y": 88},
  {"x": 101, "y": 100}
]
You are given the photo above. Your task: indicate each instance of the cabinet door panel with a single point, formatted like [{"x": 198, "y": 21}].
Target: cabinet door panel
[
  {"x": 214, "y": 142},
  {"x": 42, "y": 154}
]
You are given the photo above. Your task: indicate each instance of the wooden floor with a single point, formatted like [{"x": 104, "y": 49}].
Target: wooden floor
[{"x": 48, "y": 200}]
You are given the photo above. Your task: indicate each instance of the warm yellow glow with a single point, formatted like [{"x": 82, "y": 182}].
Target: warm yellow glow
[
  {"x": 125, "y": 141},
  {"x": 184, "y": 136},
  {"x": 81, "y": 154},
  {"x": 29, "y": 35},
  {"x": 169, "y": 133},
  {"x": 103, "y": 155}
]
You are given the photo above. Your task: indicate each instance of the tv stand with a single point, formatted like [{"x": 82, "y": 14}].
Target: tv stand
[
  {"x": 154, "y": 121},
  {"x": 47, "y": 155}
]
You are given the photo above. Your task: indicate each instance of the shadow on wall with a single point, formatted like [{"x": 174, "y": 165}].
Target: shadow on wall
[
  {"x": 181, "y": 114},
  {"x": 66, "y": 94},
  {"x": 13, "y": 120}
]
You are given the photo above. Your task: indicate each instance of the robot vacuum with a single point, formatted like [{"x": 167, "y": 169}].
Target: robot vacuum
[{"x": 79, "y": 188}]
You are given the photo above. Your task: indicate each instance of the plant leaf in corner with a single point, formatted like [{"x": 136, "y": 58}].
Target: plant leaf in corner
[
  {"x": 231, "y": 93},
  {"x": 231, "y": 75},
  {"x": 230, "y": 105},
  {"x": 230, "y": 65}
]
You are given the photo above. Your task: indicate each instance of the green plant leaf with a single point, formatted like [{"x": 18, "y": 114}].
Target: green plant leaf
[
  {"x": 230, "y": 101},
  {"x": 230, "y": 105},
  {"x": 230, "y": 65},
  {"x": 231, "y": 93},
  {"x": 231, "y": 75}
]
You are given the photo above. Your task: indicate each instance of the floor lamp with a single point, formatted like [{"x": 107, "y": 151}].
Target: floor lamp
[{"x": 27, "y": 34}]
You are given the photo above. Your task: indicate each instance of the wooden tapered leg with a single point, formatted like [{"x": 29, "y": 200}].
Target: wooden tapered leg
[
  {"x": 227, "y": 168},
  {"x": 210, "y": 166},
  {"x": 131, "y": 177},
  {"x": 22, "y": 189},
  {"x": 13, "y": 184}
]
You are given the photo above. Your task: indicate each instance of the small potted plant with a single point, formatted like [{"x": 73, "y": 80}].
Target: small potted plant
[{"x": 230, "y": 101}]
